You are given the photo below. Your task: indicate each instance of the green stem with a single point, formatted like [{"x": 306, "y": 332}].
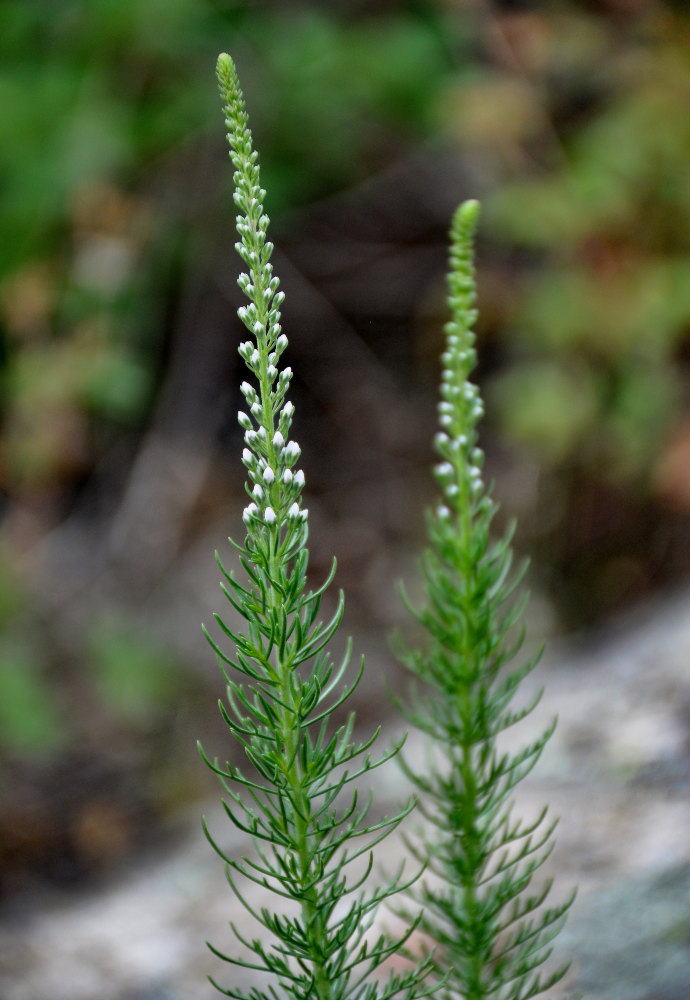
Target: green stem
[
  {"x": 291, "y": 732},
  {"x": 476, "y": 980},
  {"x": 315, "y": 931}
]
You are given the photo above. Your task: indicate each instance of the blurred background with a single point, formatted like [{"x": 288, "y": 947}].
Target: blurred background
[{"x": 119, "y": 449}]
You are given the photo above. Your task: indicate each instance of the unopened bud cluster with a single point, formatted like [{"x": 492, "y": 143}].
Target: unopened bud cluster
[
  {"x": 274, "y": 484},
  {"x": 459, "y": 473}
]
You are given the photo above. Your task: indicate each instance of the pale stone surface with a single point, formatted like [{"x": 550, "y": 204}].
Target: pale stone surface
[{"x": 617, "y": 772}]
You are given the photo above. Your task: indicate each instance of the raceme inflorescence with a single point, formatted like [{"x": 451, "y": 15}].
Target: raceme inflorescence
[
  {"x": 481, "y": 911},
  {"x": 483, "y": 930},
  {"x": 298, "y": 800}
]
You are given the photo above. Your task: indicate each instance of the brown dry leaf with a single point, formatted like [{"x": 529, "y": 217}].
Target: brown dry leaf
[
  {"x": 671, "y": 478},
  {"x": 26, "y": 302}
]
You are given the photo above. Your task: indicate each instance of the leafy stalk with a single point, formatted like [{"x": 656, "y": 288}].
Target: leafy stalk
[
  {"x": 491, "y": 931},
  {"x": 297, "y": 797}
]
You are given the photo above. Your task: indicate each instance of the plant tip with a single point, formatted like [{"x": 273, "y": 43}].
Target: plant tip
[{"x": 468, "y": 212}]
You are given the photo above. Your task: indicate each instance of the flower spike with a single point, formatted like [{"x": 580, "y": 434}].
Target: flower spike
[
  {"x": 491, "y": 936},
  {"x": 282, "y": 686}
]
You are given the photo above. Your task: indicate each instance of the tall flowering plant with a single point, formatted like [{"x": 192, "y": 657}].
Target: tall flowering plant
[
  {"x": 296, "y": 793},
  {"x": 483, "y": 910}
]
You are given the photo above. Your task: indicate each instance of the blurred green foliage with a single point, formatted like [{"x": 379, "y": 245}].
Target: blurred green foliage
[
  {"x": 135, "y": 676},
  {"x": 593, "y": 206},
  {"x": 109, "y": 119},
  {"x": 112, "y": 170},
  {"x": 608, "y": 218},
  {"x": 107, "y": 104},
  {"x": 30, "y": 721}
]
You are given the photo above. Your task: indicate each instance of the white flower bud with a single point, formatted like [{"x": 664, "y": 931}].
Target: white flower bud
[
  {"x": 269, "y": 474},
  {"x": 294, "y": 510},
  {"x": 278, "y": 439},
  {"x": 249, "y": 512},
  {"x": 299, "y": 479},
  {"x": 269, "y": 515}
]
